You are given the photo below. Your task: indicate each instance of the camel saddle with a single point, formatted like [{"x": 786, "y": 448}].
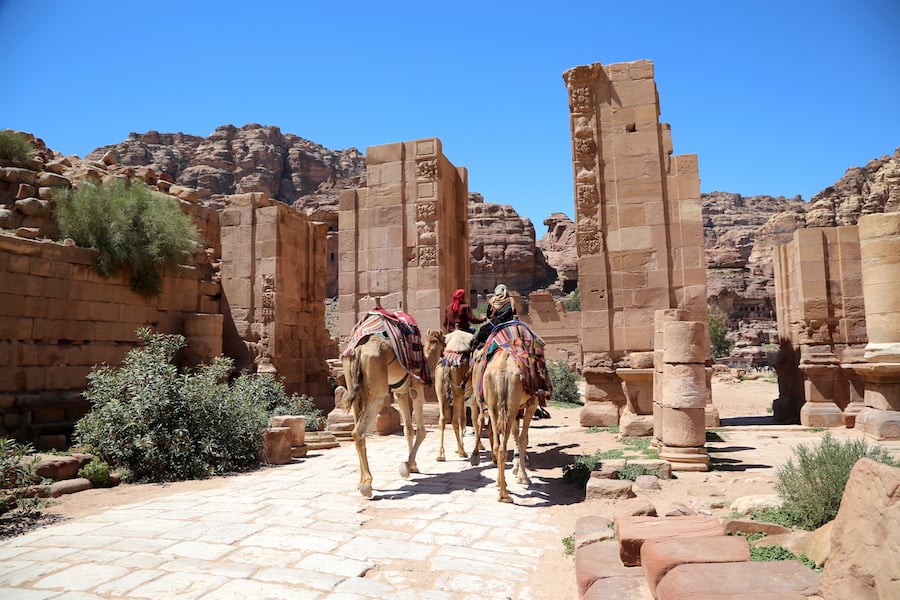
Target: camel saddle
[
  {"x": 402, "y": 331},
  {"x": 527, "y": 348}
]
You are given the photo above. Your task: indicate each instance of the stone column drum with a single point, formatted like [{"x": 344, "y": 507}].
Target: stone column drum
[
  {"x": 684, "y": 396},
  {"x": 661, "y": 318},
  {"x": 879, "y": 239}
]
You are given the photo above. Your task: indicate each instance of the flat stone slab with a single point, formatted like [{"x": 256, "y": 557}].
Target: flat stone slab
[
  {"x": 592, "y": 529},
  {"x": 600, "y": 561},
  {"x": 598, "y": 489},
  {"x": 781, "y": 579},
  {"x": 658, "y": 557},
  {"x": 634, "y": 531}
]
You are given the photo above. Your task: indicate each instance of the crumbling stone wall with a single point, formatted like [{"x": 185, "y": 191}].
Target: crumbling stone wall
[
  {"x": 404, "y": 238},
  {"x": 59, "y": 318},
  {"x": 638, "y": 223}
]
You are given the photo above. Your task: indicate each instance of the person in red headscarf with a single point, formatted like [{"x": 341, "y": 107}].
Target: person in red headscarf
[{"x": 459, "y": 315}]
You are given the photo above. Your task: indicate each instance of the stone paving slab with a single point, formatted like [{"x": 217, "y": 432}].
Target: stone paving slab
[{"x": 301, "y": 531}]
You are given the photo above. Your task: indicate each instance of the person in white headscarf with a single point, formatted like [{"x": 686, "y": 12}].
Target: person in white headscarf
[{"x": 500, "y": 310}]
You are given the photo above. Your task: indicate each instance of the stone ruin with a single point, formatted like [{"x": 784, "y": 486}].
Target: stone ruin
[
  {"x": 403, "y": 239},
  {"x": 838, "y": 309},
  {"x": 639, "y": 237}
]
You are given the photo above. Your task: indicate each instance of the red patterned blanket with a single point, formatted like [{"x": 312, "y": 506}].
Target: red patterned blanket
[
  {"x": 402, "y": 332},
  {"x": 527, "y": 348}
]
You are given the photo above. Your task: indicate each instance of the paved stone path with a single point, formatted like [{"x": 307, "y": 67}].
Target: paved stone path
[{"x": 302, "y": 531}]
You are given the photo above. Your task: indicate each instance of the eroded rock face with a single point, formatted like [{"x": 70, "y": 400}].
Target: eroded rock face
[
  {"x": 235, "y": 160},
  {"x": 503, "y": 250},
  {"x": 559, "y": 248}
]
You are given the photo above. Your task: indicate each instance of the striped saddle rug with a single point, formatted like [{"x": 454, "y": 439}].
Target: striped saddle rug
[
  {"x": 527, "y": 348},
  {"x": 401, "y": 331}
]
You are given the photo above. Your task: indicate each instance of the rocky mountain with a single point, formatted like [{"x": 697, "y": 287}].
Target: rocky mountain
[{"x": 740, "y": 232}]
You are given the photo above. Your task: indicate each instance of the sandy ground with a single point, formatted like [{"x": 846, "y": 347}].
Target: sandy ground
[{"x": 745, "y": 459}]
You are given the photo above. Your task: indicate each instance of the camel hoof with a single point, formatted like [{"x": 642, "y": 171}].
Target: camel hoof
[
  {"x": 463, "y": 455},
  {"x": 475, "y": 459},
  {"x": 414, "y": 469},
  {"x": 441, "y": 459},
  {"x": 506, "y": 499},
  {"x": 365, "y": 489},
  {"x": 404, "y": 470}
]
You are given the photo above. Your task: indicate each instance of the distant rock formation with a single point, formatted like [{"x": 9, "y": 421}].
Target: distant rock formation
[
  {"x": 559, "y": 248},
  {"x": 503, "y": 250}
]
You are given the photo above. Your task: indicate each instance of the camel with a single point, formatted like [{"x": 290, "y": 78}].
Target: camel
[
  {"x": 373, "y": 371},
  {"x": 453, "y": 387},
  {"x": 512, "y": 382}
]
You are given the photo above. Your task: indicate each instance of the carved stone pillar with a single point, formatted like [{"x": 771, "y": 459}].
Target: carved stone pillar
[{"x": 684, "y": 396}]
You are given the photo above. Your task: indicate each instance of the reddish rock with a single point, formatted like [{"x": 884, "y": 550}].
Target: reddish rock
[
  {"x": 658, "y": 557},
  {"x": 589, "y": 530},
  {"x": 864, "y": 562},
  {"x": 599, "y": 488},
  {"x": 599, "y": 561},
  {"x": 634, "y": 531},
  {"x": 634, "y": 507},
  {"x": 277, "y": 445},
  {"x": 748, "y": 526},
  {"x": 781, "y": 580},
  {"x": 616, "y": 588},
  {"x": 69, "y": 486}
]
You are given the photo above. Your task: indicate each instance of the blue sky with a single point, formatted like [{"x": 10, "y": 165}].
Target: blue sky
[{"x": 776, "y": 98}]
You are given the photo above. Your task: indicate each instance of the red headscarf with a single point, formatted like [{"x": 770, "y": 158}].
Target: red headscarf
[{"x": 457, "y": 300}]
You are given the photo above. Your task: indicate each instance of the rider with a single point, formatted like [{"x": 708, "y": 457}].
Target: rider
[
  {"x": 500, "y": 310},
  {"x": 459, "y": 315}
]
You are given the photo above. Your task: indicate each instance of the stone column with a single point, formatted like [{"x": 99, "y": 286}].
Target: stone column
[
  {"x": 879, "y": 237},
  {"x": 661, "y": 318},
  {"x": 685, "y": 396}
]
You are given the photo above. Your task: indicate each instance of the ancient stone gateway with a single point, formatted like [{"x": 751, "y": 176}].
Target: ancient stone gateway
[
  {"x": 639, "y": 232},
  {"x": 404, "y": 238}
]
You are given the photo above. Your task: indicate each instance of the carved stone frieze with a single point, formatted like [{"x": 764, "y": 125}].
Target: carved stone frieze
[
  {"x": 426, "y": 211},
  {"x": 584, "y": 146},
  {"x": 590, "y": 241},
  {"x": 427, "y": 169},
  {"x": 586, "y": 193},
  {"x": 267, "y": 313},
  {"x": 427, "y": 256}
]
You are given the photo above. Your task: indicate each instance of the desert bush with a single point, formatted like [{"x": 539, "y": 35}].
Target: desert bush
[
  {"x": 97, "y": 472},
  {"x": 719, "y": 343},
  {"x": 579, "y": 470},
  {"x": 631, "y": 471},
  {"x": 161, "y": 425},
  {"x": 773, "y": 553},
  {"x": 572, "y": 300},
  {"x": 812, "y": 481},
  {"x": 13, "y": 146},
  {"x": 265, "y": 390},
  {"x": 563, "y": 380},
  {"x": 134, "y": 230},
  {"x": 18, "y": 472}
]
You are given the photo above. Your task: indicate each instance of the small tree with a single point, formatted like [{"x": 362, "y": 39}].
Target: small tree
[
  {"x": 719, "y": 343},
  {"x": 133, "y": 229},
  {"x": 572, "y": 301},
  {"x": 14, "y": 146},
  {"x": 563, "y": 381}
]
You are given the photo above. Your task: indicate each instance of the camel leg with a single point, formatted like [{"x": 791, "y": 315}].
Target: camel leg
[
  {"x": 501, "y": 452},
  {"x": 402, "y": 397},
  {"x": 364, "y": 420},
  {"x": 442, "y": 419},
  {"x": 459, "y": 422},
  {"x": 520, "y": 470},
  {"x": 417, "y": 399}
]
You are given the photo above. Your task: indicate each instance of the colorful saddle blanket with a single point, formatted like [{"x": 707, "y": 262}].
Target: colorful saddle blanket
[
  {"x": 527, "y": 348},
  {"x": 402, "y": 332}
]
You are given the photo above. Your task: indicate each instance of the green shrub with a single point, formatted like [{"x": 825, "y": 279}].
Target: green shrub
[
  {"x": 263, "y": 389},
  {"x": 813, "y": 480},
  {"x": 563, "y": 380},
  {"x": 97, "y": 472},
  {"x": 18, "y": 471},
  {"x": 134, "y": 230},
  {"x": 772, "y": 553},
  {"x": 631, "y": 471},
  {"x": 163, "y": 425},
  {"x": 579, "y": 470},
  {"x": 780, "y": 516},
  {"x": 14, "y": 146},
  {"x": 719, "y": 343},
  {"x": 572, "y": 301}
]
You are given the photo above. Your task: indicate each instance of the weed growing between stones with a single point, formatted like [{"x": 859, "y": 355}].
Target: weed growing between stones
[
  {"x": 18, "y": 473},
  {"x": 568, "y": 543}
]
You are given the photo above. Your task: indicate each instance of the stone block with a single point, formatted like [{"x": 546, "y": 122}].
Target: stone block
[
  {"x": 634, "y": 531},
  {"x": 683, "y": 427},
  {"x": 634, "y": 507},
  {"x": 685, "y": 342},
  {"x": 601, "y": 489},
  {"x": 658, "y": 557},
  {"x": 277, "y": 445},
  {"x": 684, "y": 386},
  {"x": 749, "y": 527},
  {"x": 297, "y": 425},
  {"x": 879, "y": 424},
  {"x": 821, "y": 414},
  {"x": 592, "y": 529},
  {"x": 593, "y": 413},
  {"x": 597, "y": 561},
  {"x": 632, "y": 425},
  {"x": 780, "y": 580}
]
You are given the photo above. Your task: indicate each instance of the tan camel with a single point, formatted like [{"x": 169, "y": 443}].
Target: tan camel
[
  {"x": 509, "y": 388},
  {"x": 453, "y": 387},
  {"x": 373, "y": 372}
]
